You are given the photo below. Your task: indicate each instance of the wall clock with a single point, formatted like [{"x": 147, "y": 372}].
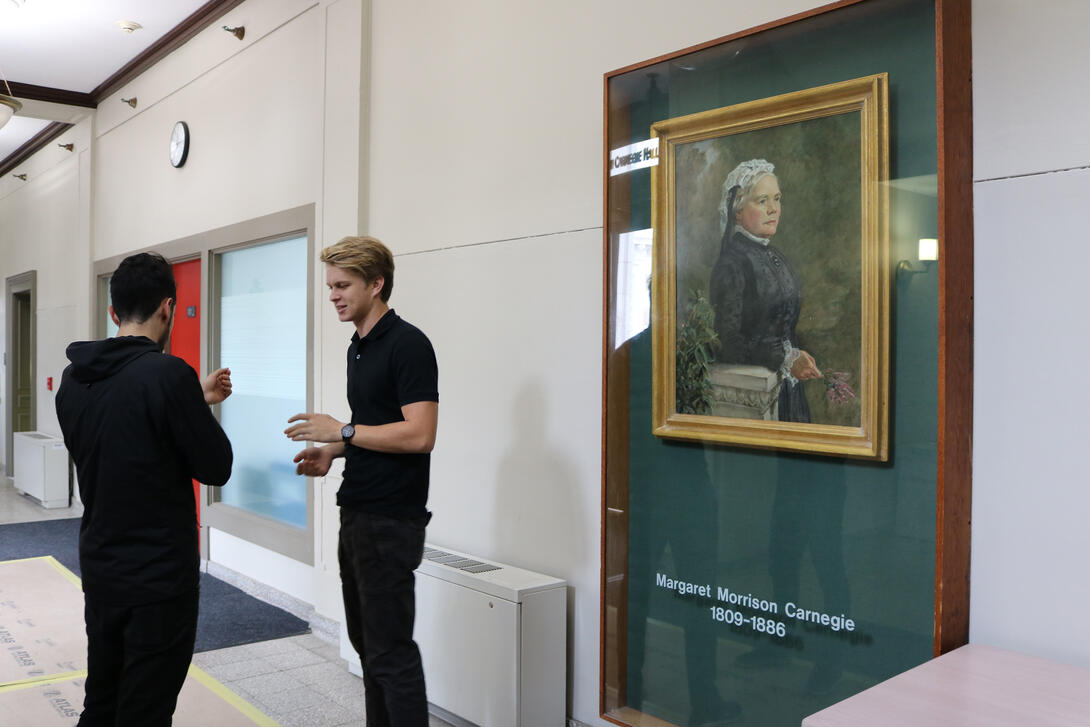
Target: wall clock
[{"x": 179, "y": 143}]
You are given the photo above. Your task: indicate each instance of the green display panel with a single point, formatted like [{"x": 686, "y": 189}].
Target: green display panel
[{"x": 750, "y": 584}]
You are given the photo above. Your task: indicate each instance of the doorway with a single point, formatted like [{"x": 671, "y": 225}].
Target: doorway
[
  {"x": 20, "y": 409},
  {"x": 185, "y": 338}
]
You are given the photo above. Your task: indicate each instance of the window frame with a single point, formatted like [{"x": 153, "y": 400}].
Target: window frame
[{"x": 279, "y": 537}]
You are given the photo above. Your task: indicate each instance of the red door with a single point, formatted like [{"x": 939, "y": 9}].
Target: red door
[{"x": 185, "y": 339}]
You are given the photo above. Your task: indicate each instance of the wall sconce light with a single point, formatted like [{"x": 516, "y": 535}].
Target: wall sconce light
[
  {"x": 69, "y": 147},
  {"x": 20, "y": 176},
  {"x": 130, "y": 101},
  {"x": 239, "y": 32},
  {"x": 928, "y": 252}
]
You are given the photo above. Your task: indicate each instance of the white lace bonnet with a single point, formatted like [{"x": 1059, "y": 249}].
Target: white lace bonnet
[{"x": 744, "y": 176}]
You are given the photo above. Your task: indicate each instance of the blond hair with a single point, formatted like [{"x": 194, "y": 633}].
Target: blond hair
[{"x": 367, "y": 257}]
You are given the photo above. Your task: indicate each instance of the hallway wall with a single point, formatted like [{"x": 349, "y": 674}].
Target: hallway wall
[
  {"x": 468, "y": 136},
  {"x": 44, "y": 227},
  {"x": 1030, "y": 580},
  {"x": 277, "y": 122}
]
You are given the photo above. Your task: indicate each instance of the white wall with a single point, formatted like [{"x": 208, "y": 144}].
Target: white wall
[
  {"x": 1030, "y": 578},
  {"x": 255, "y": 118},
  {"x": 43, "y": 223},
  {"x": 477, "y": 158}
]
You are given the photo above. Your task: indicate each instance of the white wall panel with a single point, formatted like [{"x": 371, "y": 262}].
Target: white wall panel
[
  {"x": 487, "y": 115},
  {"x": 273, "y": 569},
  {"x": 1030, "y": 582},
  {"x": 515, "y": 472},
  {"x": 1030, "y": 100}
]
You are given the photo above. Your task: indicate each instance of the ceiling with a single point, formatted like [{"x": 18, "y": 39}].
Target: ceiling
[{"x": 62, "y": 56}]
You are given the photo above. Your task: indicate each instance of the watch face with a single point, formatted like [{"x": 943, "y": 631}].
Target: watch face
[
  {"x": 348, "y": 431},
  {"x": 179, "y": 144}
]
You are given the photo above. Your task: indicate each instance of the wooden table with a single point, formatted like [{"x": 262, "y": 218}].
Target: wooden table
[{"x": 974, "y": 686}]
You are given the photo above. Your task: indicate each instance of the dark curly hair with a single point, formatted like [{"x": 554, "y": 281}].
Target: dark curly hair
[{"x": 140, "y": 283}]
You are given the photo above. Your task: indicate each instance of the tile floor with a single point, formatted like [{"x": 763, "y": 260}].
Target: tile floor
[
  {"x": 299, "y": 681},
  {"x": 16, "y": 508}
]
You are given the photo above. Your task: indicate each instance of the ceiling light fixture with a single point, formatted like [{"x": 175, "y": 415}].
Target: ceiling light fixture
[
  {"x": 19, "y": 3},
  {"x": 128, "y": 25},
  {"x": 8, "y": 103}
]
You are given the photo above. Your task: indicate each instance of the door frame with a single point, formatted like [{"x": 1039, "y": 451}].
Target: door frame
[{"x": 14, "y": 284}]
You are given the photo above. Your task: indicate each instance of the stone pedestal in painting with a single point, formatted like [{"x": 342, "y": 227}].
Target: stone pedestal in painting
[{"x": 744, "y": 392}]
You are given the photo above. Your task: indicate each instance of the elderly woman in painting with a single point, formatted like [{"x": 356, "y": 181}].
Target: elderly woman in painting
[{"x": 755, "y": 292}]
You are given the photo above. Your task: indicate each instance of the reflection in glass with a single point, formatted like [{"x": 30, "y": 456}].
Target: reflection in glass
[
  {"x": 262, "y": 338},
  {"x": 633, "y": 284}
]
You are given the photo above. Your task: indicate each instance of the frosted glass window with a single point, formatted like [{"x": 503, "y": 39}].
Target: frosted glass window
[
  {"x": 262, "y": 338},
  {"x": 111, "y": 327}
]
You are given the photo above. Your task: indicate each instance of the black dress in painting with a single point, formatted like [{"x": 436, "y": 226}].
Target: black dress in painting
[{"x": 756, "y": 297}]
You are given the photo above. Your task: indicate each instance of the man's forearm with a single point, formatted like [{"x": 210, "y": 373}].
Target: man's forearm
[{"x": 396, "y": 438}]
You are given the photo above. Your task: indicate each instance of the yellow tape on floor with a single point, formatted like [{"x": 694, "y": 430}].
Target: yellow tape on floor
[{"x": 43, "y": 656}]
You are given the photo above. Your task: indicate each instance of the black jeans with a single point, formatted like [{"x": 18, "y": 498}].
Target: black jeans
[
  {"x": 377, "y": 556},
  {"x": 137, "y": 659}
]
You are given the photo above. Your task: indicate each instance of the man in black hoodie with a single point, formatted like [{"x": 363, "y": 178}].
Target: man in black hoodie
[{"x": 139, "y": 428}]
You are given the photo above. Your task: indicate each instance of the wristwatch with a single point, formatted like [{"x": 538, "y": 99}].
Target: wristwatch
[{"x": 347, "y": 432}]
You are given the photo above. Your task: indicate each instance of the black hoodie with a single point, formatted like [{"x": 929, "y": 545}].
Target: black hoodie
[{"x": 137, "y": 426}]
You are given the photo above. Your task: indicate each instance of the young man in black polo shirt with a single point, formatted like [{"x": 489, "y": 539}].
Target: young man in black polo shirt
[
  {"x": 394, "y": 396},
  {"x": 139, "y": 428}
]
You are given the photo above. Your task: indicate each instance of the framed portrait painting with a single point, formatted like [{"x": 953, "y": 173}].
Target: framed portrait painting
[{"x": 770, "y": 283}]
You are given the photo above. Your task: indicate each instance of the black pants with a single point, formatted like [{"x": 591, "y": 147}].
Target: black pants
[
  {"x": 137, "y": 659},
  {"x": 377, "y": 557}
]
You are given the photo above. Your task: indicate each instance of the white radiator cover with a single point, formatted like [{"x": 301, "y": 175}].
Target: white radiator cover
[
  {"x": 40, "y": 467},
  {"x": 494, "y": 643}
]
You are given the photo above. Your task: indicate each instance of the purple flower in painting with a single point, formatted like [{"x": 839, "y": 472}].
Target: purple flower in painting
[{"x": 837, "y": 389}]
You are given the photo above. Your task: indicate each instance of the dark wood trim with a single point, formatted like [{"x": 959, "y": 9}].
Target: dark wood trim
[
  {"x": 615, "y": 440},
  {"x": 32, "y": 145},
  {"x": 204, "y": 16},
  {"x": 734, "y": 36},
  {"x": 30, "y": 92},
  {"x": 953, "y": 48},
  {"x": 605, "y": 402}
]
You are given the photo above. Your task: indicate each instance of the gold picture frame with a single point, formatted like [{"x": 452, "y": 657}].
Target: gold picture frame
[{"x": 823, "y": 142}]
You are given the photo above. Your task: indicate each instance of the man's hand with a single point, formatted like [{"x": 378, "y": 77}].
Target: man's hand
[
  {"x": 314, "y": 428},
  {"x": 217, "y": 386},
  {"x": 314, "y": 461}
]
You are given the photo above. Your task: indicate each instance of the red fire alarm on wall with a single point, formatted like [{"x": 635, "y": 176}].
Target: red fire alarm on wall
[{"x": 49, "y": 383}]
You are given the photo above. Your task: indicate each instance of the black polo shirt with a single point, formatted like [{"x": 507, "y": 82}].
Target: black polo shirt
[{"x": 393, "y": 365}]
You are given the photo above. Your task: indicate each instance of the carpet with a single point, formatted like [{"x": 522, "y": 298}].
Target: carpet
[{"x": 227, "y": 617}]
